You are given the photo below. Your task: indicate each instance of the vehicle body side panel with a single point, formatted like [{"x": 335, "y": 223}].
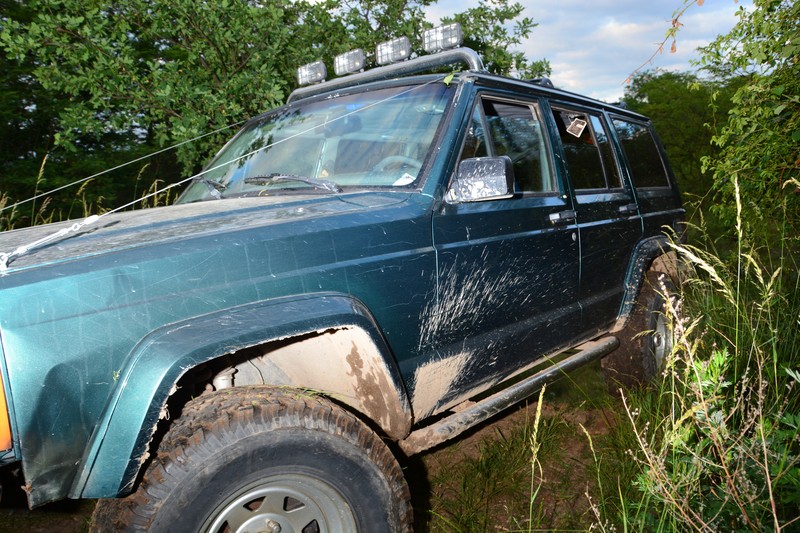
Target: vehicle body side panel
[
  {"x": 119, "y": 443},
  {"x": 68, "y": 327},
  {"x": 8, "y": 448},
  {"x": 507, "y": 284},
  {"x": 507, "y": 292}
]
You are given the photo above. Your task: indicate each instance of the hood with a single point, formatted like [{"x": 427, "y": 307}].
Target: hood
[{"x": 133, "y": 229}]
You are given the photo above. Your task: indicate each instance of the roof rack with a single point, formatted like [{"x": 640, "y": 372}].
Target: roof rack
[
  {"x": 456, "y": 56},
  {"x": 544, "y": 81}
]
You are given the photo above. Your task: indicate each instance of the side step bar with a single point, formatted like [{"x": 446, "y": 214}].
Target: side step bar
[{"x": 455, "y": 424}]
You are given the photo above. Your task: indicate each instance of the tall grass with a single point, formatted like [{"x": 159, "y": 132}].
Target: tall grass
[
  {"x": 83, "y": 203},
  {"x": 10, "y": 215},
  {"x": 716, "y": 445},
  {"x": 7, "y": 216}
]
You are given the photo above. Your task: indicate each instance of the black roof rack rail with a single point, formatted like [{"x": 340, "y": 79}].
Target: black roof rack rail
[
  {"x": 466, "y": 56},
  {"x": 544, "y": 81}
]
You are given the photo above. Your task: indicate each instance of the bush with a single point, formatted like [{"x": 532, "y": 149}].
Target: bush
[{"x": 717, "y": 442}]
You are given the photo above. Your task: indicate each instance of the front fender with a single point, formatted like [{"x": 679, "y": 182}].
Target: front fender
[{"x": 119, "y": 443}]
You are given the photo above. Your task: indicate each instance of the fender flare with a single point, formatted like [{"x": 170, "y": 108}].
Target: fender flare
[
  {"x": 118, "y": 445},
  {"x": 653, "y": 252}
]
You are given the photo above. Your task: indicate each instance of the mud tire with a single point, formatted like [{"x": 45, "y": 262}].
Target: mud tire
[
  {"x": 238, "y": 445},
  {"x": 646, "y": 338}
]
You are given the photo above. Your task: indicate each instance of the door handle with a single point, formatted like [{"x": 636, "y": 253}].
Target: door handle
[
  {"x": 628, "y": 210},
  {"x": 562, "y": 217}
]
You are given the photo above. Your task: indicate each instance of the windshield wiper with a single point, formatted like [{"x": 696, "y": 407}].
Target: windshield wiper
[
  {"x": 214, "y": 187},
  {"x": 277, "y": 177}
]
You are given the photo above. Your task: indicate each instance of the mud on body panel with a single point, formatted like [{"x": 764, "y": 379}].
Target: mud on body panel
[{"x": 343, "y": 363}]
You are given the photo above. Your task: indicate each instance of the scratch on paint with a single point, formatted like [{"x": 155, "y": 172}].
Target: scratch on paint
[
  {"x": 464, "y": 303},
  {"x": 462, "y": 306}
]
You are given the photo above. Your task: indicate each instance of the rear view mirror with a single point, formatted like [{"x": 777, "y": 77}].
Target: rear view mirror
[{"x": 483, "y": 178}]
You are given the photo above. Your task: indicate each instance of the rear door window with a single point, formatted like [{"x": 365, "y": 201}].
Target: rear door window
[{"x": 588, "y": 153}]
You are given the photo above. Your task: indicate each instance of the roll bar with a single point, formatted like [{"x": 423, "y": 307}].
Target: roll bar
[{"x": 466, "y": 56}]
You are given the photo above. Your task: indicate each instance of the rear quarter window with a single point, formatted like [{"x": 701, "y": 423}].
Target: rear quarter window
[{"x": 641, "y": 152}]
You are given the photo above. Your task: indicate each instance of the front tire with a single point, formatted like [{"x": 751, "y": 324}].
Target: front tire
[{"x": 258, "y": 459}]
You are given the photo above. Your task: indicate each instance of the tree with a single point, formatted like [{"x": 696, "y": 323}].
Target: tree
[
  {"x": 160, "y": 73},
  {"x": 28, "y": 115},
  {"x": 686, "y": 112},
  {"x": 31, "y": 163},
  {"x": 759, "y": 153},
  {"x": 486, "y": 31},
  {"x": 166, "y": 70}
]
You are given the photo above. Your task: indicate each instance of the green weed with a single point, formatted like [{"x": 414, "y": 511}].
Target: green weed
[
  {"x": 716, "y": 444},
  {"x": 498, "y": 482}
]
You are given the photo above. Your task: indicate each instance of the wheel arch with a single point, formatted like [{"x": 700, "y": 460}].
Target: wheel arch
[
  {"x": 365, "y": 378},
  {"x": 651, "y": 254}
]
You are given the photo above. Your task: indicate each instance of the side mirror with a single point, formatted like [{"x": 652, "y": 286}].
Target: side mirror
[{"x": 482, "y": 178}]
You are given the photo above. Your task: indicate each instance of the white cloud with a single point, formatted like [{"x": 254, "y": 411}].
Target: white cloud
[{"x": 593, "y": 46}]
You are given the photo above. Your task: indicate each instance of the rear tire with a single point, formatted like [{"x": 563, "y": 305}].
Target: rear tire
[
  {"x": 238, "y": 459},
  {"x": 646, "y": 340}
]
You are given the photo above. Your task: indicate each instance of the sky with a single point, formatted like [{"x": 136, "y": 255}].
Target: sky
[{"x": 594, "y": 45}]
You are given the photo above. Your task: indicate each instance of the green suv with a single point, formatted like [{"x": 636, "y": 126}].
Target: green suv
[{"x": 385, "y": 261}]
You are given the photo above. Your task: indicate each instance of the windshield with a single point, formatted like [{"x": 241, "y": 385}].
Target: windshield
[{"x": 369, "y": 139}]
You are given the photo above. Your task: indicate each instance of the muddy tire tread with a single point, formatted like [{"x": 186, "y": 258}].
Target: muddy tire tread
[{"x": 214, "y": 419}]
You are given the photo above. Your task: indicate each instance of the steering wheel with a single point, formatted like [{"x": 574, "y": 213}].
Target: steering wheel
[{"x": 399, "y": 160}]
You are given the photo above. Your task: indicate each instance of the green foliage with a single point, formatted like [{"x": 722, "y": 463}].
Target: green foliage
[
  {"x": 167, "y": 70},
  {"x": 686, "y": 112},
  {"x": 92, "y": 84},
  {"x": 365, "y": 23},
  {"x": 31, "y": 162},
  {"x": 486, "y": 29},
  {"x": 717, "y": 442},
  {"x": 759, "y": 144},
  {"x": 174, "y": 70}
]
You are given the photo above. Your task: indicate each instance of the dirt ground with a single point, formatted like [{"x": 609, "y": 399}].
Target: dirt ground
[
  {"x": 63, "y": 517},
  {"x": 567, "y": 463}
]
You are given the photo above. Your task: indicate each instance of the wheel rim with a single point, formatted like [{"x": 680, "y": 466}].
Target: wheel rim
[
  {"x": 289, "y": 503},
  {"x": 661, "y": 339}
]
